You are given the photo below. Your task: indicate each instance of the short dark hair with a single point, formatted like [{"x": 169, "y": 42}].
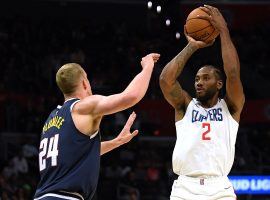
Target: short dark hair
[{"x": 218, "y": 73}]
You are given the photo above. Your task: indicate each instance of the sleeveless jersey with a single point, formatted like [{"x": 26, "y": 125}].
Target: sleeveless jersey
[
  {"x": 69, "y": 161},
  {"x": 205, "y": 142}
]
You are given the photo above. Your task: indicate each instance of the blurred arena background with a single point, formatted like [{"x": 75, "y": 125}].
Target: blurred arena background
[{"x": 109, "y": 37}]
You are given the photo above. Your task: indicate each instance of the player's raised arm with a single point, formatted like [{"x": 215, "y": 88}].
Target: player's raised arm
[
  {"x": 104, "y": 105},
  {"x": 169, "y": 85},
  {"x": 234, "y": 90}
]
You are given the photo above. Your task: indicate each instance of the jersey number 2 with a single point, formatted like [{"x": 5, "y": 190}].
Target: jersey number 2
[
  {"x": 204, "y": 134},
  {"x": 51, "y": 152}
]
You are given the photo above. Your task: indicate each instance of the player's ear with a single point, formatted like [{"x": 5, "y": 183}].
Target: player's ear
[
  {"x": 219, "y": 84},
  {"x": 84, "y": 84}
]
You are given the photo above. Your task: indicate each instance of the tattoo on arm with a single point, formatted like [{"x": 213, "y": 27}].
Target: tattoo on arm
[
  {"x": 183, "y": 57},
  {"x": 170, "y": 87},
  {"x": 175, "y": 92}
]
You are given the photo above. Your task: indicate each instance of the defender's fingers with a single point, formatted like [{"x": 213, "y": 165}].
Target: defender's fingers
[
  {"x": 130, "y": 120},
  {"x": 155, "y": 55},
  {"x": 156, "y": 59},
  {"x": 134, "y": 133}
]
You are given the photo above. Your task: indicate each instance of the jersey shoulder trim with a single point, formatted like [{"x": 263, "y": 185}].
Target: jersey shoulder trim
[
  {"x": 191, "y": 103},
  {"x": 224, "y": 105},
  {"x": 60, "y": 196},
  {"x": 72, "y": 105}
]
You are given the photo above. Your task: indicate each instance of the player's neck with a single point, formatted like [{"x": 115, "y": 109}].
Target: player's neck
[
  {"x": 73, "y": 96},
  {"x": 80, "y": 93},
  {"x": 209, "y": 103}
]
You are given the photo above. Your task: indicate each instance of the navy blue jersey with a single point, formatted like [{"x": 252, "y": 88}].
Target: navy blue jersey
[{"x": 69, "y": 161}]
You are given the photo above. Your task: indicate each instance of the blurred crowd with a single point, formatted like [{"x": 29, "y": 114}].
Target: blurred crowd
[
  {"x": 32, "y": 51},
  {"x": 141, "y": 169},
  {"x": 19, "y": 174}
]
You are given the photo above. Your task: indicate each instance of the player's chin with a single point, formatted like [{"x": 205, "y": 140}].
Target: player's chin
[{"x": 200, "y": 95}]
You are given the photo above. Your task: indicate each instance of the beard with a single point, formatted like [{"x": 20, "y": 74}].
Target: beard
[{"x": 208, "y": 94}]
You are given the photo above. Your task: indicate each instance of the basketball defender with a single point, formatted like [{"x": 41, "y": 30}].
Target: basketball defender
[
  {"x": 206, "y": 126},
  {"x": 70, "y": 147}
]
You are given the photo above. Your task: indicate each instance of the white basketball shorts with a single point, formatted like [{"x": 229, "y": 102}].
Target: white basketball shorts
[{"x": 187, "y": 188}]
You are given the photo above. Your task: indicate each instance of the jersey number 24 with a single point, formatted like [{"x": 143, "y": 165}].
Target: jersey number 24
[{"x": 50, "y": 151}]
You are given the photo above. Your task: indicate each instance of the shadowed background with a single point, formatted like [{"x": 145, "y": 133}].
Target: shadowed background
[{"x": 108, "y": 38}]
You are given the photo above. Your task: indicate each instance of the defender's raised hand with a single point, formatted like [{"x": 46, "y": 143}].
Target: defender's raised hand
[
  {"x": 149, "y": 60},
  {"x": 125, "y": 135}
]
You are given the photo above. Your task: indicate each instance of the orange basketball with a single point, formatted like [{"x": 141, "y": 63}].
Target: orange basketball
[{"x": 200, "y": 29}]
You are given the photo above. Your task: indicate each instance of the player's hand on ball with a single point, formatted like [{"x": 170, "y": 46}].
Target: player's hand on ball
[
  {"x": 197, "y": 44},
  {"x": 125, "y": 135},
  {"x": 215, "y": 17},
  {"x": 150, "y": 60}
]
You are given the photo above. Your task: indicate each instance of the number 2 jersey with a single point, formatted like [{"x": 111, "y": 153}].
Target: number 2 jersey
[
  {"x": 69, "y": 161},
  {"x": 205, "y": 144}
]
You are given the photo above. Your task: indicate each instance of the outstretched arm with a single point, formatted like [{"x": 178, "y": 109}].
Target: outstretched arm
[
  {"x": 169, "y": 85},
  {"x": 98, "y": 105},
  {"x": 124, "y": 137},
  {"x": 235, "y": 97}
]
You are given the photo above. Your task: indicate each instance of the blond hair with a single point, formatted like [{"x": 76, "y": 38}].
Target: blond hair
[{"x": 68, "y": 77}]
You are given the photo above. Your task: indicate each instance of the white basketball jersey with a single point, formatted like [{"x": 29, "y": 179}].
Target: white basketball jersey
[{"x": 205, "y": 142}]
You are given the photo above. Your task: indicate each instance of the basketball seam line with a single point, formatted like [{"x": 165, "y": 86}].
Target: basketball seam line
[
  {"x": 210, "y": 34},
  {"x": 200, "y": 29},
  {"x": 199, "y": 18}
]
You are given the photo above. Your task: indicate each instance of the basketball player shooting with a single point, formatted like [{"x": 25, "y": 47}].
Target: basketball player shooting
[
  {"x": 70, "y": 147},
  {"x": 206, "y": 126}
]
